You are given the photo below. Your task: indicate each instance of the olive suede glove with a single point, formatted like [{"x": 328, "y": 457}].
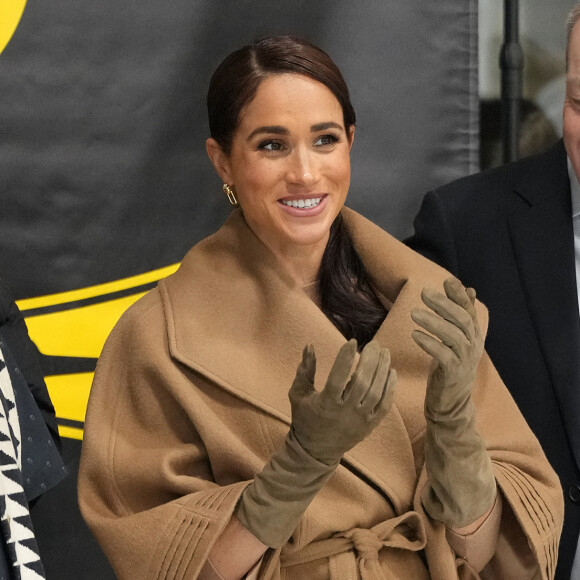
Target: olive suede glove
[
  {"x": 325, "y": 425},
  {"x": 461, "y": 482}
]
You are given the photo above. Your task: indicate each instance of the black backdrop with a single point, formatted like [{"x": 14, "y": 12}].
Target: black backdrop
[{"x": 103, "y": 172}]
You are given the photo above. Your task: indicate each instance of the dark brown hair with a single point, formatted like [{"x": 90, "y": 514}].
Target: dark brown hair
[
  {"x": 235, "y": 82},
  {"x": 346, "y": 296}
]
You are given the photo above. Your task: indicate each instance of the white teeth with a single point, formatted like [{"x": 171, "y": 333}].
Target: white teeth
[{"x": 303, "y": 203}]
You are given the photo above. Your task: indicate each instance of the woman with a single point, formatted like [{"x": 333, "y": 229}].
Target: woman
[{"x": 207, "y": 454}]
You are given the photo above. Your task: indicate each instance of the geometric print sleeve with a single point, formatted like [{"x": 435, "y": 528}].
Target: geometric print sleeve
[
  {"x": 19, "y": 555},
  {"x": 20, "y": 559}
]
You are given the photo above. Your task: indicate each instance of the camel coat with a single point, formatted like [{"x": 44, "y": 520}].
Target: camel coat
[{"x": 190, "y": 400}]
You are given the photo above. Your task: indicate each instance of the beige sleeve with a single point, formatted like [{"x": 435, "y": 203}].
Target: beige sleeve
[
  {"x": 146, "y": 487},
  {"x": 533, "y": 502},
  {"x": 532, "y": 511},
  {"x": 479, "y": 547}
]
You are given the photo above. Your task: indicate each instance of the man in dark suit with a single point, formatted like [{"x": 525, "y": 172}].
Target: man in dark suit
[{"x": 510, "y": 232}]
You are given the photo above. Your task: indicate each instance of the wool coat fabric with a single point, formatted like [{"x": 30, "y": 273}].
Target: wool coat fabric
[{"x": 190, "y": 399}]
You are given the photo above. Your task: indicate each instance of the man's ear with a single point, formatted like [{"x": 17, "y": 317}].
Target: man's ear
[{"x": 219, "y": 160}]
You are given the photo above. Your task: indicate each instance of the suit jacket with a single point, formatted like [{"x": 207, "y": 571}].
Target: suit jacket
[
  {"x": 508, "y": 233},
  {"x": 190, "y": 399}
]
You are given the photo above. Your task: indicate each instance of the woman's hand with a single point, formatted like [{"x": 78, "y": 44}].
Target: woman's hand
[
  {"x": 329, "y": 423},
  {"x": 461, "y": 482},
  {"x": 456, "y": 347},
  {"x": 325, "y": 425}
]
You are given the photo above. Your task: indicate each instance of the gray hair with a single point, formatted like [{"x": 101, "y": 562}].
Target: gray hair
[{"x": 573, "y": 18}]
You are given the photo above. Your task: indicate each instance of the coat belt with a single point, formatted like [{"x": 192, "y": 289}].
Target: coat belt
[{"x": 358, "y": 548}]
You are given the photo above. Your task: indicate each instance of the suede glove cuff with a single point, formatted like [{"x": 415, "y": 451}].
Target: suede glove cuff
[
  {"x": 462, "y": 485},
  {"x": 285, "y": 487}
]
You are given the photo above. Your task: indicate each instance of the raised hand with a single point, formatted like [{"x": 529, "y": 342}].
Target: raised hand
[
  {"x": 329, "y": 423},
  {"x": 461, "y": 482},
  {"x": 325, "y": 425},
  {"x": 456, "y": 345}
]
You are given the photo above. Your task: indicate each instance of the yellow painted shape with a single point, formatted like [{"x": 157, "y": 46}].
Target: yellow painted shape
[
  {"x": 98, "y": 290},
  {"x": 70, "y": 394},
  {"x": 80, "y": 331},
  {"x": 70, "y": 432},
  {"x": 10, "y": 14}
]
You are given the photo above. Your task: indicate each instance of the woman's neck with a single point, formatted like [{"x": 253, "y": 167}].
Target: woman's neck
[{"x": 302, "y": 263}]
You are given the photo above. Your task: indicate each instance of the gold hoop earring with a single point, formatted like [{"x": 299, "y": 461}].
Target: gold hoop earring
[{"x": 230, "y": 191}]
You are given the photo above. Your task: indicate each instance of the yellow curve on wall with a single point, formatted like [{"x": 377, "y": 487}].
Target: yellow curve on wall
[
  {"x": 10, "y": 15},
  {"x": 77, "y": 330}
]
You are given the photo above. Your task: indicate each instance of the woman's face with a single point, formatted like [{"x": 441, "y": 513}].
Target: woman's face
[{"x": 289, "y": 162}]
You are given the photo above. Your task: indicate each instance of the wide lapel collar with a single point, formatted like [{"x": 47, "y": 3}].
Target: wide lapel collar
[
  {"x": 543, "y": 242},
  {"x": 235, "y": 316}
]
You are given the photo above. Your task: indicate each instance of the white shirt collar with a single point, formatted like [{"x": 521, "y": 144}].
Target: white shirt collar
[{"x": 575, "y": 190}]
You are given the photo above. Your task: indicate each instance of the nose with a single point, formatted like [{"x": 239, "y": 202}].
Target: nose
[{"x": 303, "y": 168}]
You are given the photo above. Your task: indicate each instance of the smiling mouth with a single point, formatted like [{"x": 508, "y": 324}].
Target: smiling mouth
[{"x": 303, "y": 203}]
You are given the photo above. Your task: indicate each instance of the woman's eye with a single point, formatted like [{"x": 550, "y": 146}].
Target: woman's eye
[
  {"x": 270, "y": 146},
  {"x": 325, "y": 140}
]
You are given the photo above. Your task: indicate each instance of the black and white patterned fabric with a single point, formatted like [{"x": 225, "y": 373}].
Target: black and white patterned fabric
[{"x": 29, "y": 465}]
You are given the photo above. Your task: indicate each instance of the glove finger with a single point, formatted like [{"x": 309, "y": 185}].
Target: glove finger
[
  {"x": 443, "y": 355},
  {"x": 303, "y": 384},
  {"x": 363, "y": 375},
  {"x": 463, "y": 296},
  {"x": 340, "y": 372},
  {"x": 375, "y": 392},
  {"x": 445, "y": 331},
  {"x": 450, "y": 310},
  {"x": 455, "y": 291},
  {"x": 472, "y": 294},
  {"x": 379, "y": 411},
  {"x": 384, "y": 405}
]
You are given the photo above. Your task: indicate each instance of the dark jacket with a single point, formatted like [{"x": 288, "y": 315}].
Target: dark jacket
[
  {"x": 508, "y": 233},
  {"x": 14, "y": 332}
]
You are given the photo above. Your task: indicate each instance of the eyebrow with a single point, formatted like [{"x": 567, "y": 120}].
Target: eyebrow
[
  {"x": 279, "y": 130},
  {"x": 323, "y": 126},
  {"x": 276, "y": 129}
]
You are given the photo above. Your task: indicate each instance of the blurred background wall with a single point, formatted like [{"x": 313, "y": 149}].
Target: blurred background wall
[{"x": 543, "y": 41}]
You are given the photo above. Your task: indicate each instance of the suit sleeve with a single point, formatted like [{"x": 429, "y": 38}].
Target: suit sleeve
[{"x": 433, "y": 237}]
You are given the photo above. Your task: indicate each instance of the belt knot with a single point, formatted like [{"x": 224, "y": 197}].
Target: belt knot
[{"x": 366, "y": 543}]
